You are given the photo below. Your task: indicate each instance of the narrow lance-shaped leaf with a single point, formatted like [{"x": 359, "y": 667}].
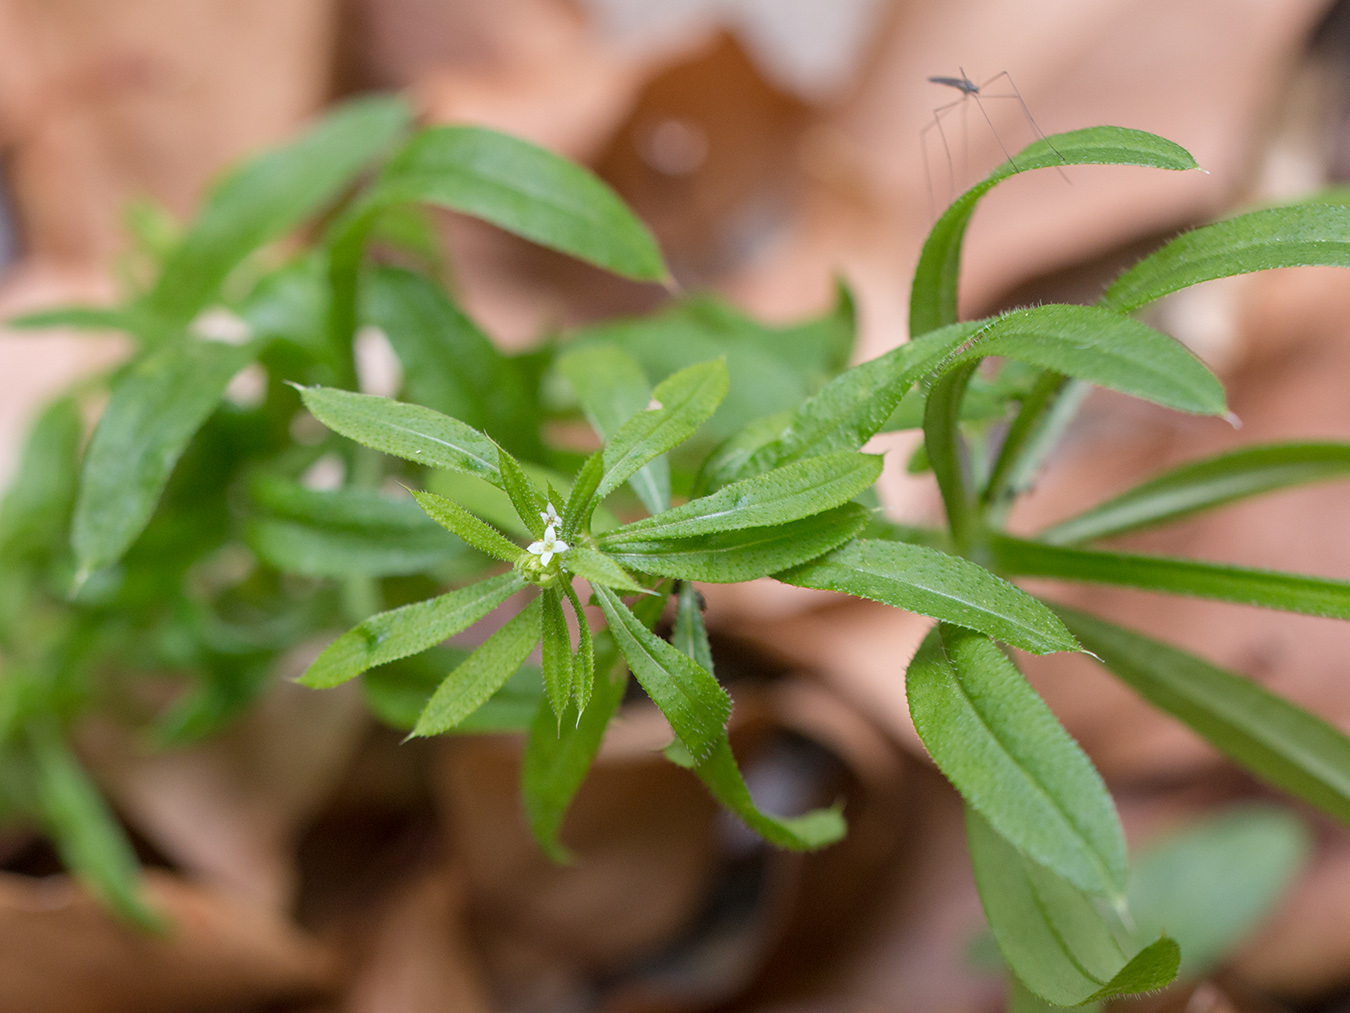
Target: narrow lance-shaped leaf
[
  {"x": 152, "y": 415},
  {"x": 1202, "y": 485},
  {"x": 687, "y": 694},
  {"x": 583, "y": 669},
  {"x": 680, "y": 404},
  {"x": 408, "y": 431},
  {"x": 1054, "y": 937},
  {"x": 482, "y": 673},
  {"x": 933, "y": 583},
  {"x": 35, "y": 510},
  {"x": 784, "y": 494},
  {"x": 478, "y": 533},
  {"x": 612, "y": 389},
  {"x": 523, "y": 189},
  {"x": 558, "y": 753},
  {"x": 1303, "y": 235},
  {"x": 556, "y": 651},
  {"x": 598, "y": 568},
  {"x": 1010, "y": 758},
  {"x": 734, "y": 556},
  {"x": 269, "y": 196},
  {"x": 1290, "y": 592},
  {"x": 1105, "y": 348},
  {"x": 932, "y": 302},
  {"x": 91, "y": 842},
  {"x": 719, "y": 771},
  {"x": 525, "y": 496},
  {"x": 407, "y": 630},
  {"x": 1275, "y": 740},
  {"x": 1183, "y": 882}
]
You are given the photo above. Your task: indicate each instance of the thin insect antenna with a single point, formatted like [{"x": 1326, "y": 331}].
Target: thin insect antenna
[{"x": 1034, "y": 125}]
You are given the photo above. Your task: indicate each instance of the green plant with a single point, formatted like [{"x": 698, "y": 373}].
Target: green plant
[{"x": 195, "y": 545}]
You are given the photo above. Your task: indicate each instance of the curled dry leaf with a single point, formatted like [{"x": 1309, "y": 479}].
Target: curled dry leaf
[{"x": 60, "y": 952}]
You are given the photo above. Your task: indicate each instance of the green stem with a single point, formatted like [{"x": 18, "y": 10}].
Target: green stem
[{"x": 946, "y": 455}]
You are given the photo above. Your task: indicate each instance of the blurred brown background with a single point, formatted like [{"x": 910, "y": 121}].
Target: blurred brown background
[{"x": 773, "y": 146}]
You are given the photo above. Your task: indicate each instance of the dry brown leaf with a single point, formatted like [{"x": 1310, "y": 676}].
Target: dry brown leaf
[{"x": 60, "y": 952}]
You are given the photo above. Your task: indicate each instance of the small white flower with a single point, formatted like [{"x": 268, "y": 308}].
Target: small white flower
[
  {"x": 548, "y": 547},
  {"x": 550, "y": 517}
]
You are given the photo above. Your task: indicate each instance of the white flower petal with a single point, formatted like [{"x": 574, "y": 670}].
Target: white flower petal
[{"x": 546, "y": 556}]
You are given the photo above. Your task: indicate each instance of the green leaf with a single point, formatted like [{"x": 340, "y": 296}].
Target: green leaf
[
  {"x": 854, "y": 406},
  {"x": 772, "y": 369},
  {"x": 680, "y": 404},
  {"x": 448, "y": 363},
  {"x": 482, "y": 673},
  {"x": 613, "y": 389},
  {"x": 556, "y": 652},
  {"x": 807, "y": 832},
  {"x": 583, "y": 668},
  {"x": 559, "y": 753},
  {"x": 1281, "y": 743},
  {"x": 687, "y": 694},
  {"x": 934, "y": 583},
  {"x": 1105, "y": 348},
  {"x": 83, "y": 318},
  {"x": 152, "y": 415},
  {"x": 577, "y": 512},
  {"x": 1297, "y": 236},
  {"x": 1054, "y": 937},
  {"x": 481, "y": 535},
  {"x": 344, "y": 532},
  {"x": 526, "y": 499},
  {"x": 1202, "y": 485},
  {"x": 87, "y": 835},
  {"x": 1214, "y": 882},
  {"x": 398, "y": 692},
  {"x": 744, "y": 554},
  {"x": 271, "y": 195},
  {"x": 35, "y": 511},
  {"x": 784, "y": 494},
  {"x": 1010, "y": 758},
  {"x": 1290, "y": 592},
  {"x": 523, "y": 189},
  {"x": 932, "y": 302},
  {"x": 598, "y": 568},
  {"x": 408, "y": 431},
  {"x": 407, "y": 630}
]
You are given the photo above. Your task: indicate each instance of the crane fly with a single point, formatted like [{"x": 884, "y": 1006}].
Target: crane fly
[{"x": 970, "y": 91}]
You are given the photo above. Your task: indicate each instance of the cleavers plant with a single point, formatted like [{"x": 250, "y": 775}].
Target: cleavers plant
[{"x": 191, "y": 534}]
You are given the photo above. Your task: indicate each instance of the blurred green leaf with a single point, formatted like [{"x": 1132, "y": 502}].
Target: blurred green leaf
[
  {"x": 1275, "y": 740},
  {"x": 448, "y": 363},
  {"x": 1290, "y": 592},
  {"x": 612, "y": 389},
  {"x": 152, "y": 415},
  {"x": 35, "y": 511},
  {"x": 523, "y": 189},
  {"x": 269, "y": 196},
  {"x": 1203, "y": 485},
  {"x": 1211, "y": 884}
]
